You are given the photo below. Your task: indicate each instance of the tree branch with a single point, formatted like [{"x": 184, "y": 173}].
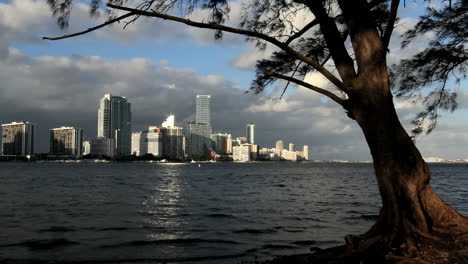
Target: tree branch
[
  {"x": 312, "y": 24},
  {"x": 390, "y": 23},
  {"x": 344, "y": 63},
  {"x": 117, "y": 19},
  {"x": 314, "y": 88},
  {"x": 309, "y": 60}
]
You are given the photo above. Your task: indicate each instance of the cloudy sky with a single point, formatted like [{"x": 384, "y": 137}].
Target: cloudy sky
[{"x": 160, "y": 67}]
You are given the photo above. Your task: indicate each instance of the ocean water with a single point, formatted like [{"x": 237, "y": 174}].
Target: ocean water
[{"x": 183, "y": 213}]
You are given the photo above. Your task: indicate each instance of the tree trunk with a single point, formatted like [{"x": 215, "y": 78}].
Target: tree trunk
[{"x": 411, "y": 210}]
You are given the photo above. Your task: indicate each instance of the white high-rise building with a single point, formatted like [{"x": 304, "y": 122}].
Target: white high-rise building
[
  {"x": 291, "y": 147},
  {"x": 169, "y": 122},
  {"x": 250, "y": 133},
  {"x": 115, "y": 122},
  {"x": 18, "y": 138},
  {"x": 306, "y": 152},
  {"x": 241, "y": 153},
  {"x": 279, "y": 145},
  {"x": 147, "y": 142},
  {"x": 66, "y": 141},
  {"x": 203, "y": 110}
]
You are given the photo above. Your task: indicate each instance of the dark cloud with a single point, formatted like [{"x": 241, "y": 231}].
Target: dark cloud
[{"x": 57, "y": 91}]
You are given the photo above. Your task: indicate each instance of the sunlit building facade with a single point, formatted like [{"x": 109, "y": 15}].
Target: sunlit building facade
[{"x": 115, "y": 122}]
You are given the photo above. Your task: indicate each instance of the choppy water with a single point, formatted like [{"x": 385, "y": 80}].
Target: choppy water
[{"x": 182, "y": 213}]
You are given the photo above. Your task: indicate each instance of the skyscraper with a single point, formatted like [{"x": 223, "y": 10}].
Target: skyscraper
[
  {"x": 147, "y": 142},
  {"x": 172, "y": 139},
  {"x": 198, "y": 139},
  {"x": 115, "y": 122},
  {"x": 250, "y": 133},
  {"x": 203, "y": 110},
  {"x": 198, "y": 132},
  {"x": 306, "y": 152},
  {"x": 18, "y": 138},
  {"x": 291, "y": 147},
  {"x": 279, "y": 145},
  {"x": 66, "y": 141}
]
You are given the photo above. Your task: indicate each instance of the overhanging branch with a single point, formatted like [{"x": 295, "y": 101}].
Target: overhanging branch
[
  {"x": 312, "y": 24},
  {"x": 132, "y": 11},
  {"x": 309, "y": 60},
  {"x": 390, "y": 23},
  {"x": 117, "y": 19},
  {"x": 314, "y": 88}
]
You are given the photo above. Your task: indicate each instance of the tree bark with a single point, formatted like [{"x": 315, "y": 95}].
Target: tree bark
[{"x": 411, "y": 210}]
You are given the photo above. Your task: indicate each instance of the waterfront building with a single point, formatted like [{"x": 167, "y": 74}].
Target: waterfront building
[
  {"x": 250, "y": 133},
  {"x": 222, "y": 143},
  {"x": 18, "y": 138},
  {"x": 241, "y": 153},
  {"x": 279, "y": 145},
  {"x": 67, "y": 141},
  {"x": 203, "y": 109},
  {"x": 291, "y": 147},
  {"x": 239, "y": 141},
  {"x": 103, "y": 146},
  {"x": 86, "y": 148},
  {"x": 289, "y": 155},
  {"x": 306, "y": 152},
  {"x": 115, "y": 122},
  {"x": 147, "y": 142},
  {"x": 253, "y": 150},
  {"x": 269, "y": 154},
  {"x": 172, "y": 139},
  {"x": 198, "y": 139}
]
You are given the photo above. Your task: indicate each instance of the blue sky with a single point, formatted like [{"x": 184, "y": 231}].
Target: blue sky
[{"x": 161, "y": 66}]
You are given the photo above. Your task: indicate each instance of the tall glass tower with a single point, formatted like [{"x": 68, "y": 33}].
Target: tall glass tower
[
  {"x": 115, "y": 122},
  {"x": 250, "y": 133},
  {"x": 203, "y": 109}
]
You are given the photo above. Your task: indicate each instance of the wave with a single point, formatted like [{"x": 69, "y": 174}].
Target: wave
[
  {"x": 42, "y": 244},
  {"x": 254, "y": 231},
  {"x": 58, "y": 229},
  {"x": 138, "y": 243},
  {"x": 129, "y": 260}
]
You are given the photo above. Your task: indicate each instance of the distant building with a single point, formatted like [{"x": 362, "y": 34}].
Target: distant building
[
  {"x": 289, "y": 155},
  {"x": 279, "y": 145},
  {"x": 18, "y": 138},
  {"x": 222, "y": 143},
  {"x": 306, "y": 152},
  {"x": 269, "y": 154},
  {"x": 102, "y": 146},
  {"x": 198, "y": 139},
  {"x": 66, "y": 141},
  {"x": 172, "y": 139},
  {"x": 291, "y": 147},
  {"x": 147, "y": 142},
  {"x": 253, "y": 151},
  {"x": 239, "y": 141},
  {"x": 115, "y": 121},
  {"x": 250, "y": 133},
  {"x": 241, "y": 153},
  {"x": 203, "y": 109},
  {"x": 86, "y": 148}
]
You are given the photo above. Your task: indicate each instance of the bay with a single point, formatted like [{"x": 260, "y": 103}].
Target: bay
[{"x": 183, "y": 213}]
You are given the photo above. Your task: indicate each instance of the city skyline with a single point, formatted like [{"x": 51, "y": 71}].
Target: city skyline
[{"x": 162, "y": 73}]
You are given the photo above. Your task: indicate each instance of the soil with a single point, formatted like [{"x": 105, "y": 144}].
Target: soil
[{"x": 430, "y": 252}]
